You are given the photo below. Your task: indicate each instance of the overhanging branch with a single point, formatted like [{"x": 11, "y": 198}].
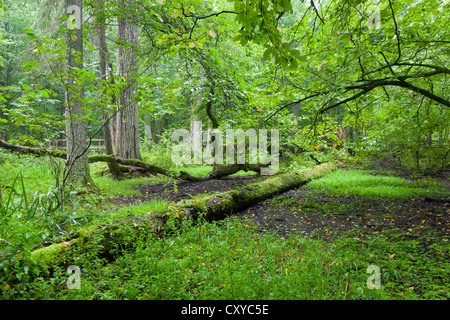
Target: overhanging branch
[
  {"x": 215, "y": 14},
  {"x": 381, "y": 83},
  {"x": 372, "y": 84}
]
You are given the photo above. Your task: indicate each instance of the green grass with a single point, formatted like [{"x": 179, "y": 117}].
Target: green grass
[
  {"x": 37, "y": 173},
  {"x": 215, "y": 261},
  {"x": 125, "y": 187},
  {"x": 198, "y": 171},
  {"x": 229, "y": 260},
  {"x": 363, "y": 184}
]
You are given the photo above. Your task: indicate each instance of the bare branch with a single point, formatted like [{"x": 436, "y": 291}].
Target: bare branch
[
  {"x": 396, "y": 33},
  {"x": 215, "y": 14},
  {"x": 316, "y": 11}
]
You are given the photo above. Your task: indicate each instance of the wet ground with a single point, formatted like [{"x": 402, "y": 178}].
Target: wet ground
[{"x": 310, "y": 213}]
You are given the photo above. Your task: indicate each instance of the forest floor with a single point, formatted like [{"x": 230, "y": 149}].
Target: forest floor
[
  {"x": 311, "y": 213},
  {"x": 313, "y": 242}
]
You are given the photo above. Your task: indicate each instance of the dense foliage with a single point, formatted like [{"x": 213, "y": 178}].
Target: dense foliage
[
  {"x": 353, "y": 80},
  {"x": 379, "y": 72}
]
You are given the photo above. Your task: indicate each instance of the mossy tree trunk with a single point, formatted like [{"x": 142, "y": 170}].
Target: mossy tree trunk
[{"x": 105, "y": 240}]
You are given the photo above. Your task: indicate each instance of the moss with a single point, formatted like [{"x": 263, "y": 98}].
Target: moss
[
  {"x": 107, "y": 240},
  {"x": 53, "y": 255}
]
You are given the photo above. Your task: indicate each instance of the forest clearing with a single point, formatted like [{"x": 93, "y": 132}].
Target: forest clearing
[{"x": 224, "y": 150}]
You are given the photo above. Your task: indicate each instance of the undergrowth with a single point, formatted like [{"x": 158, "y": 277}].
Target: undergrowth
[
  {"x": 230, "y": 260},
  {"x": 221, "y": 260}
]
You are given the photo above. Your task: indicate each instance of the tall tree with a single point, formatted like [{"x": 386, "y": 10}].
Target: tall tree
[
  {"x": 100, "y": 35},
  {"x": 127, "y": 139},
  {"x": 77, "y": 166}
]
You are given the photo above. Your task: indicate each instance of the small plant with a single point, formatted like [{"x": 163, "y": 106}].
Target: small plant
[
  {"x": 14, "y": 202},
  {"x": 24, "y": 222}
]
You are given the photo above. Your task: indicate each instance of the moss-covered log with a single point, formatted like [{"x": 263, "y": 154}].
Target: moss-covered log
[
  {"x": 104, "y": 240},
  {"x": 219, "y": 172},
  {"x": 218, "y": 206},
  {"x": 135, "y": 165},
  {"x": 36, "y": 151},
  {"x": 130, "y": 162}
]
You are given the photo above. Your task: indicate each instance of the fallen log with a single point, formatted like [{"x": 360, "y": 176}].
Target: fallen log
[
  {"x": 134, "y": 165},
  {"x": 218, "y": 206},
  {"x": 36, "y": 151},
  {"x": 104, "y": 241},
  {"x": 219, "y": 171}
]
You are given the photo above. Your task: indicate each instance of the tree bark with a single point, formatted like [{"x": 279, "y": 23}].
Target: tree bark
[
  {"x": 113, "y": 117},
  {"x": 102, "y": 50},
  {"x": 77, "y": 166},
  {"x": 127, "y": 120},
  {"x": 103, "y": 239}
]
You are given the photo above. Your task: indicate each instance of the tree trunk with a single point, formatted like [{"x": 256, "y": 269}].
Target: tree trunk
[
  {"x": 148, "y": 131},
  {"x": 127, "y": 120},
  {"x": 102, "y": 50},
  {"x": 77, "y": 166},
  {"x": 112, "y": 118},
  {"x": 101, "y": 240}
]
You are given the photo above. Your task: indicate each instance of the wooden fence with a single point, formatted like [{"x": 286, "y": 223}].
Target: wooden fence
[{"x": 98, "y": 144}]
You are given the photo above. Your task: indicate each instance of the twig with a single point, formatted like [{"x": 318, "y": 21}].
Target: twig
[
  {"x": 386, "y": 208},
  {"x": 396, "y": 33},
  {"x": 317, "y": 12}
]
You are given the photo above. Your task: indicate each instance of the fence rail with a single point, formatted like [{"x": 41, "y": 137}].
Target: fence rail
[{"x": 95, "y": 143}]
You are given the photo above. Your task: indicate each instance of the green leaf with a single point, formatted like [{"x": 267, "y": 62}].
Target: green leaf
[
  {"x": 44, "y": 93},
  {"x": 29, "y": 65},
  {"x": 30, "y": 34},
  {"x": 267, "y": 54},
  {"x": 294, "y": 64}
]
